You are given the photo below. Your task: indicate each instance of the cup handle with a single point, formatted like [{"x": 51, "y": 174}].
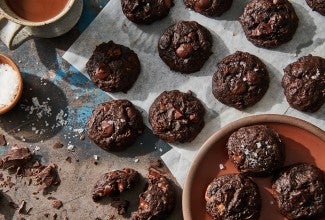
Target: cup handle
[{"x": 12, "y": 34}]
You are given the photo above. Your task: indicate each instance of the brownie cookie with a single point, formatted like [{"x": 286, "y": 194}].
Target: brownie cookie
[
  {"x": 146, "y": 11},
  {"x": 304, "y": 83},
  {"x": 256, "y": 150},
  {"x": 299, "y": 191},
  {"x": 115, "y": 125},
  {"x": 113, "y": 67},
  {"x": 115, "y": 182},
  {"x": 176, "y": 116},
  {"x": 157, "y": 201},
  {"x": 269, "y": 23},
  {"x": 209, "y": 8},
  {"x": 185, "y": 46},
  {"x": 317, "y": 5},
  {"x": 233, "y": 197},
  {"x": 241, "y": 80}
]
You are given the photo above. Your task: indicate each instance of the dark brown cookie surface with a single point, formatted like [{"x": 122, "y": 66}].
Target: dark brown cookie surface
[
  {"x": 115, "y": 182},
  {"x": 209, "y": 8},
  {"x": 185, "y": 46},
  {"x": 113, "y": 67},
  {"x": 176, "y": 116},
  {"x": 115, "y": 125},
  {"x": 256, "y": 150},
  {"x": 233, "y": 197},
  {"x": 146, "y": 11},
  {"x": 241, "y": 80},
  {"x": 15, "y": 157},
  {"x": 157, "y": 201},
  {"x": 269, "y": 23},
  {"x": 317, "y": 5},
  {"x": 304, "y": 83},
  {"x": 299, "y": 191}
]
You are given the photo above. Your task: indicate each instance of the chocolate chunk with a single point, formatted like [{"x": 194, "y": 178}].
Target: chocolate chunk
[
  {"x": 47, "y": 176},
  {"x": 115, "y": 125},
  {"x": 57, "y": 204},
  {"x": 16, "y": 157},
  {"x": 115, "y": 182},
  {"x": 146, "y": 11},
  {"x": 233, "y": 196},
  {"x": 113, "y": 67},
  {"x": 157, "y": 201},
  {"x": 3, "y": 141},
  {"x": 299, "y": 191},
  {"x": 171, "y": 116},
  {"x": 210, "y": 8},
  {"x": 185, "y": 46},
  {"x": 269, "y": 23}
]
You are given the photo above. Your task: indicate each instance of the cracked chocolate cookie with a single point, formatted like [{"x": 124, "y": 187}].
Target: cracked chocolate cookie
[
  {"x": 269, "y": 23},
  {"x": 146, "y": 11},
  {"x": 115, "y": 125},
  {"x": 256, "y": 150},
  {"x": 176, "y": 116},
  {"x": 210, "y": 8},
  {"x": 304, "y": 83},
  {"x": 317, "y": 5},
  {"x": 113, "y": 67},
  {"x": 299, "y": 191},
  {"x": 115, "y": 182},
  {"x": 241, "y": 80},
  {"x": 158, "y": 199},
  {"x": 233, "y": 197},
  {"x": 185, "y": 46}
]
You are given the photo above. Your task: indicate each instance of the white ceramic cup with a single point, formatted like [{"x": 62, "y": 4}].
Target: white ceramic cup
[{"x": 15, "y": 30}]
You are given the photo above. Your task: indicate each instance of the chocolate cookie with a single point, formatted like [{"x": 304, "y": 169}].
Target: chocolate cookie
[
  {"x": 241, "y": 80},
  {"x": 299, "y": 191},
  {"x": 256, "y": 150},
  {"x": 269, "y": 23},
  {"x": 115, "y": 182},
  {"x": 113, "y": 67},
  {"x": 209, "y": 8},
  {"x": 185, "y": 46},
  {"x": 176, "y": 116},
  {"x": 317, "y": 5},
  {"x": 233, "y": 197},
  {"x": 115, "y": 125},
  {"x": 146, "y": 11},
  {"x": 158, "y": 200},
  {"x": 304, "y": 83}
]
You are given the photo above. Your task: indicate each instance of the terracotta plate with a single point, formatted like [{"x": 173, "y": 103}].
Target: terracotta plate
[{"x": 303, "y": 141}]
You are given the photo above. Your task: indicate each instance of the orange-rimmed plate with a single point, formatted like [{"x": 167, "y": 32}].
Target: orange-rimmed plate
[{"x": 303, "y": 141}]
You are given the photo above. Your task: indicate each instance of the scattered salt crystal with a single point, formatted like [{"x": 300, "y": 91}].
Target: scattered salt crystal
[
  {"x": 70, "y": 147},
  {"x": 136, "y": 160},
  {"x": 258, "y": 144},
  {"x": 271, "y": 202},
  {"x": 9, "y": 83},
  {"x": 37, "y": 148},
  {"x": 222, "y": 167},
  {"x": 96, "y": 157},
  {"x": 78, "y": 130},
  {"x": 244, "y": 79}
]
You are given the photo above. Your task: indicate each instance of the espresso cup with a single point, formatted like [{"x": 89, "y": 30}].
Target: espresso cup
[{"x": 15, "y": 30}]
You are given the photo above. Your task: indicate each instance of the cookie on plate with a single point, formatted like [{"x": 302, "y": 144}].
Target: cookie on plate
[
  {"x": 241, "y": 80},
  {"x": 158, "y": 200},
  {"x": 210, "y": 8},
  {"x": 304, "y": 83},
  {"x": 256, "y": 150},
  {"x": 146, "y": 11},
  {"x": 185, "y": 46},
  {"x": 176, "y": 116},
  {"x": 113, "y": 67},
  {"x": 115, "y": 125},
  {"x": 299, "y": 191},
  {"x": 115, "y": 182},
  {"x": 269, "y": 23},
  {"x": 317, "y": 5},
  {"x": 233, "y": 196}
]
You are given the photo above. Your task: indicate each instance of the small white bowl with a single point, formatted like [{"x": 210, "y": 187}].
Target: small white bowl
[{"x": 6, "y": 60}]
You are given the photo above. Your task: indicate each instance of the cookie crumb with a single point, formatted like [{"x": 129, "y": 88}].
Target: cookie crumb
[{"x": 57, "y": 204}]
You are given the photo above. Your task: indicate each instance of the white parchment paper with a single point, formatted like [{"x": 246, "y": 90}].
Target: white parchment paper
[{"x": 228, "y": 37}]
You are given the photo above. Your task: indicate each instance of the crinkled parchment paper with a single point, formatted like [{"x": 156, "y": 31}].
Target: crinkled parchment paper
[{"x": 228, "y": 37}]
